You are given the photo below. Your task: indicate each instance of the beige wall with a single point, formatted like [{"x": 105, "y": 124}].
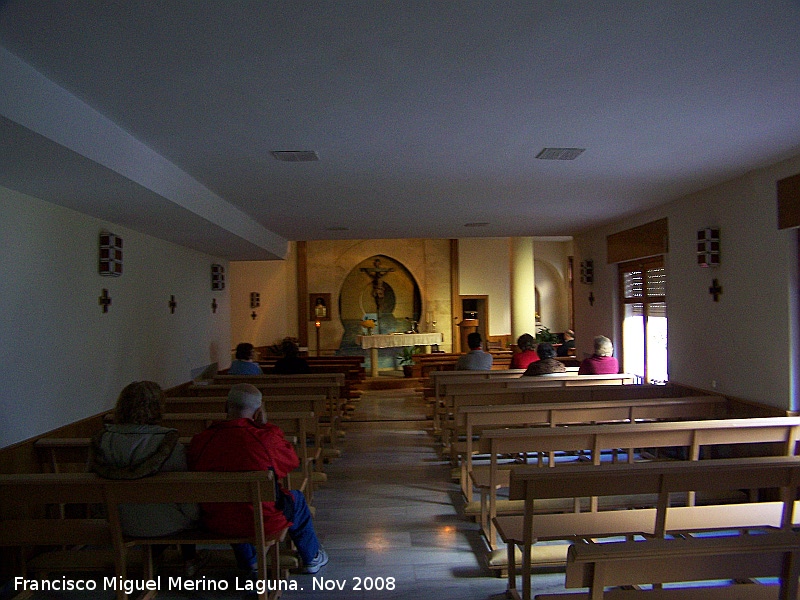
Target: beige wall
[
  {"x": 63, "y": 358},
  {"x": 484, "y": 270},
  {"x": 276, "y": 283},
  {"x": 746, "y": 343}
]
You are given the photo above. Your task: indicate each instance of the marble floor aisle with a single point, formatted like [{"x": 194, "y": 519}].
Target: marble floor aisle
[{"x": 388, "y": 512}]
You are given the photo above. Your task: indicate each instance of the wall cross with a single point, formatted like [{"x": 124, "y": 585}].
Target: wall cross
[
  {"x": 104, "y": 300},
  {"x": 172, "y": 304},
  {"x": 715, "y": 289}
]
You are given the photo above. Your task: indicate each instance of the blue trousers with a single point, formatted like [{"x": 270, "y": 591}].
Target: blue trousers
[{"x": 301, "y": 533}]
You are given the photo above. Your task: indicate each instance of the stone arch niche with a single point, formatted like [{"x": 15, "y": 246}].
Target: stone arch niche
[{"x": 380, "y": 288}]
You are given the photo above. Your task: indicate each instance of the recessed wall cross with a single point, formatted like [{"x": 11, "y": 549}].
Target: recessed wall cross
[
  {"x": 172, "y": 304},
  {"x": 104, "y": 300},
  {"x": 715, "y": 289}
]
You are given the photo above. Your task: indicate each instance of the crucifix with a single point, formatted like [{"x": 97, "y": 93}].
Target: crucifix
[
  {"x": 172, "y": 304},
  {"x": 375, "y": 273},
  {"x": 104, "y": 300},
  {"x": 214, "y": 305},
  {"x": 591, "y": 299},
  {"x": 715, "y": 289}
]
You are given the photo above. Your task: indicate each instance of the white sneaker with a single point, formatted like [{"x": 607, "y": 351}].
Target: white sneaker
[{"x": 319, "y": 561}]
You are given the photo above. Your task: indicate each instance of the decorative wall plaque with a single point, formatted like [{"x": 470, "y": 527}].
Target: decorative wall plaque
[
  {"x": 587, "y": 271},
  {"x": 708, "y": 247},
  {"x": 110, "y": 254},
  {"x": 217, "y": 277}
]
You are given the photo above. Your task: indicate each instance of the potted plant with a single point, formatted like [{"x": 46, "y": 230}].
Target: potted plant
[
  {"x": 545, "y": 335},
  {"x": 406, "y": 359}
]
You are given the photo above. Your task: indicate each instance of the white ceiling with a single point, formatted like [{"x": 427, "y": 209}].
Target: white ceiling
[{"x": 426, "y": 115}]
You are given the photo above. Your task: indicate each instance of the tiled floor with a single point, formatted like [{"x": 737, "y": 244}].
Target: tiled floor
[{"x": 388, "y": 518}]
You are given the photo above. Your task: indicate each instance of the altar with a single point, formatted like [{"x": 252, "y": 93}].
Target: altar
[{"x": 395, "y": 340}]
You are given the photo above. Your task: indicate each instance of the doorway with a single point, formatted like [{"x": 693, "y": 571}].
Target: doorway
[{"x": 473, "y": 308}]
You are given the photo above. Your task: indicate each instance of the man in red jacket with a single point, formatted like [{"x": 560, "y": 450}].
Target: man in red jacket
[{"x": 247, "y": 442}]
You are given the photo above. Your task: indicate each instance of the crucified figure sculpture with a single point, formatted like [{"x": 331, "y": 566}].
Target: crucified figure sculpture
[{"x": 375, "y": 273}]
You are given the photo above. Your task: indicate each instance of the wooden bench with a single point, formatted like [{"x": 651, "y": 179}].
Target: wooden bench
[
  {"x": 330, "y": 389},
  {"x": 58, "y": 455},
  {"x": 298, "y": 425},
  {"x": 662, "y": 479},
  {"x": 318, "y": 404},
  {"x": 436, "y": 379},
  {"x": 688, "y": 559},
  {"x": 473, "y": 419},
  {"x": 546, "y": 441},
  {"x": 458, "y": 394},
  {"x": 24, "y": 497},
  {"x": 345, "y": 380}
]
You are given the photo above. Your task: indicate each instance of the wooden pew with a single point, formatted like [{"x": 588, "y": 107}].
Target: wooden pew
[
  {"x": 438, "y": 378},
  {"x": 662, "y": 479},
  {"x": 695, "y": 559},
  {"x": 345, "y": 380},
  {"x": 459, "y": 394},
  {"x": 318, "y": 403},
  {"x": 59, "y": 455},
  {"x": 331, "y": 389},
  {"x": 296, "y": 424},
  {"x": 693, "y": 435},
  {"x": 472, "y": 419},
  {"x": 23, "y": 500}
]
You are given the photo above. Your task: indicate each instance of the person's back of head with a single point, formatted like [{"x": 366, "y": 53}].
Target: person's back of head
[
  {"x": 569, "y": 335},
  {"x": 244, "y": 400},
  {"x": 244, "y": 351},
  {"x": 545, "y": 350},
  {"x": 474, "y": 340},
  {"x": 603, "y": 346},
  {"x": 139, "y": 403},
  {"x": 289, "y": 348},
  {"x": 525, "y": 342}
]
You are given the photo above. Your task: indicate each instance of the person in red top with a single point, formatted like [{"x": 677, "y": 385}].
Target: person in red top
[
  {"x": 247, "y": 442},
  {"x": 601, "y": 362},
  {"x": 527, "y": 352}
]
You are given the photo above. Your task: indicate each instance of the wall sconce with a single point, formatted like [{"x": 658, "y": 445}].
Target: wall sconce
[
  {"x": 110, "y": 254},
  {"x": 587, "y": 271},
  {"x": 708, "y": 247},
  {"x": 217, "y": 277}
]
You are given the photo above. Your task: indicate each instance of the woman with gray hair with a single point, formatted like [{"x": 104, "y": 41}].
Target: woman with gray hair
[{"x": 601, "y": 362}]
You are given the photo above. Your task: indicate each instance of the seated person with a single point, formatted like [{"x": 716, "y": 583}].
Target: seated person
[
  {"x": 135, "y": 446},
  {"x": 527, "y": 352},
  {"x": 245, "y": 441},
  {"x": 568, "y": 347},
  {"x": 476, "y": 359},
  {"x": 547, "y": 363},
  {"x": 244, "y": 363},
  {"x": 601, "y": 362},
  {"x": 291, "y": 363}
]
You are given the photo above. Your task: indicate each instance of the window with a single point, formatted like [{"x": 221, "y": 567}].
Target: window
[{"x": 644, "y": 318}]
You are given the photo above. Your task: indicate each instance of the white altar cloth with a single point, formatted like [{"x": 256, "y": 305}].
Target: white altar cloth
[{"x": 394, "y": 340}]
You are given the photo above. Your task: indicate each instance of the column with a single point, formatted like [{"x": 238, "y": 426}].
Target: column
[{"x": 523, "y": 292}]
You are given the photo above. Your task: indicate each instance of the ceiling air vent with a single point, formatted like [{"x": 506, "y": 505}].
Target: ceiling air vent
[
  {"x": 560, "y": 153},
  {"x": 295, "y": 155}
]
